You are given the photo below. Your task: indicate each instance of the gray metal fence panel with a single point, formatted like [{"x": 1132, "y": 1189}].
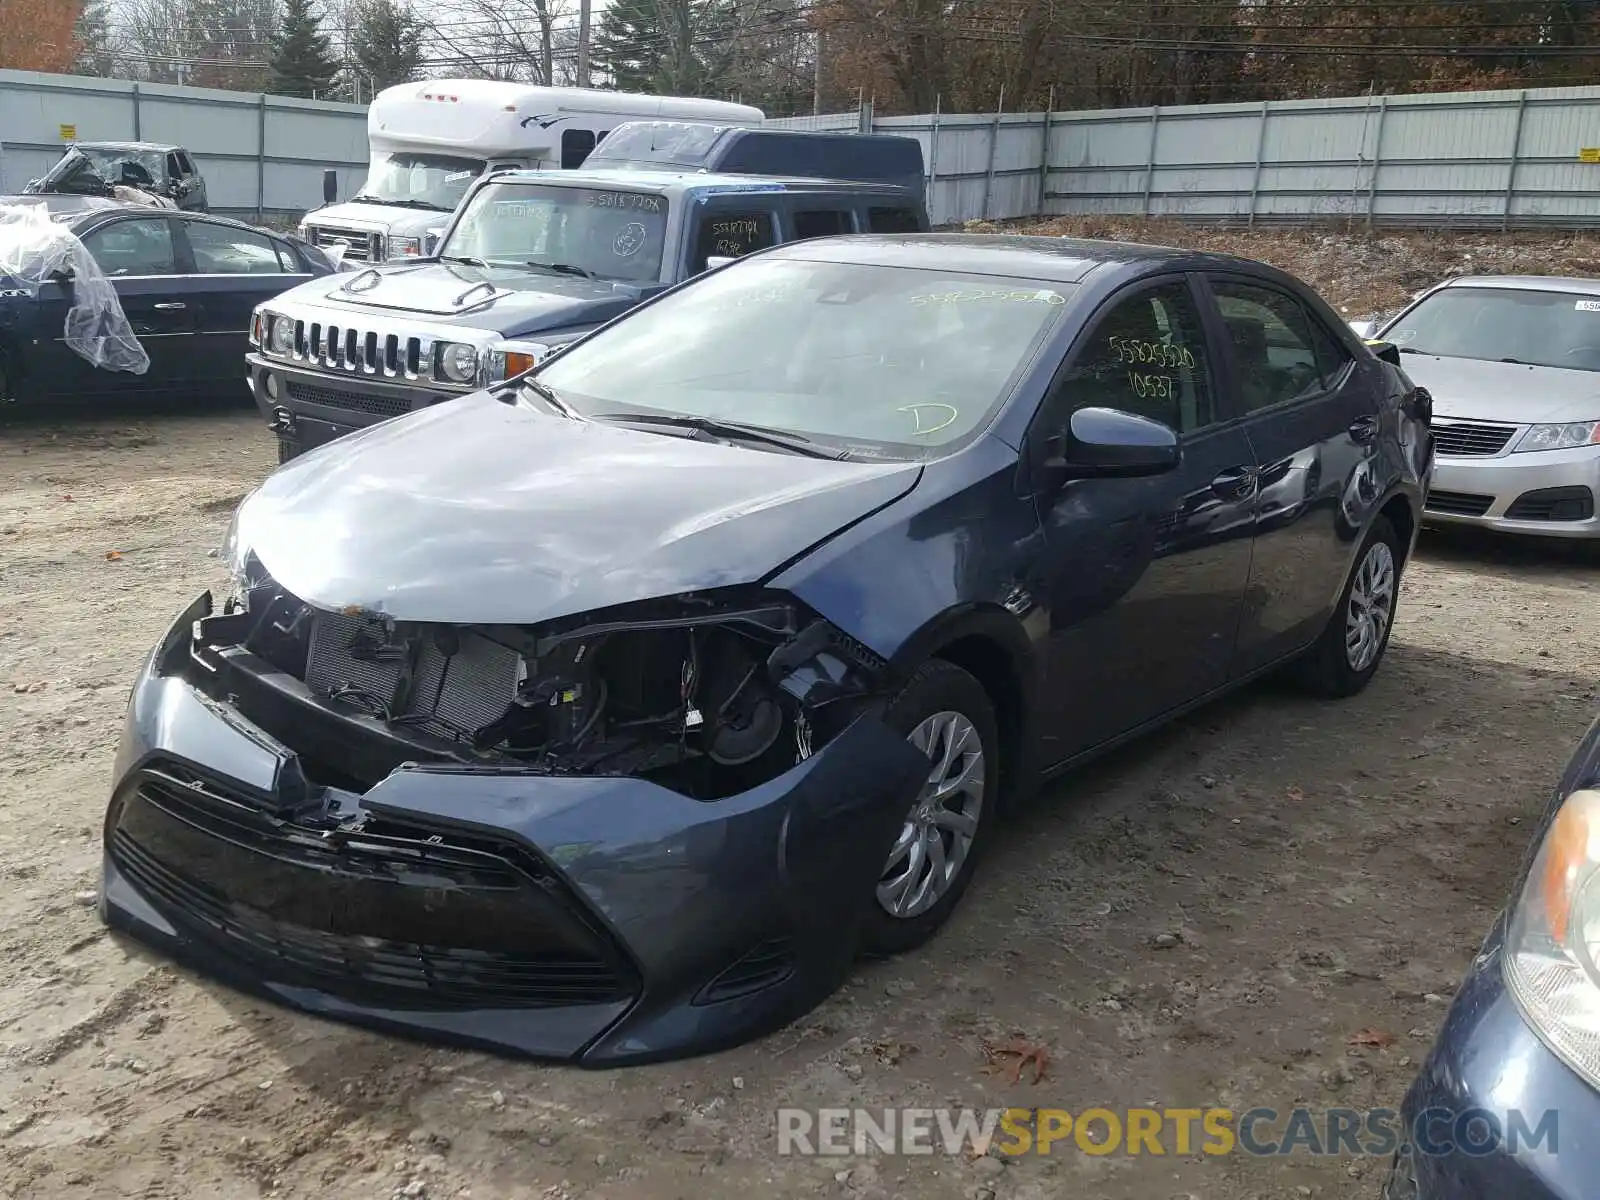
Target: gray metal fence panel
[
  {"x": 1504, "y": 159},
  {"x": 258, "y": 153}
]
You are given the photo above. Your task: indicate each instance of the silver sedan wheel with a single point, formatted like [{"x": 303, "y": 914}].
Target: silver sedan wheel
[
  {"x": 937, "y": 836},
  {"x": 1371, "y": 607}
]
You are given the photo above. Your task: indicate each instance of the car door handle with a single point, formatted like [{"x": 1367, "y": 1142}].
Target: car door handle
[
  {"x": 171, "y": 306},
  {"x": 1236, "y": 483},
  {"x": 1363, "y": 429}
]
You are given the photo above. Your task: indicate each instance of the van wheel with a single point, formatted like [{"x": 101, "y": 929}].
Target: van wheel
[
  {"x": 944, "y": 712},
  {"x": 1344, "y": 659}
]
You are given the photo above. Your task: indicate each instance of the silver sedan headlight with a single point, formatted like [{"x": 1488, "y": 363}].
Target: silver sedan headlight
[
  {"x": 456, "y": 362},
  {"x": 1568, "y": 436}
]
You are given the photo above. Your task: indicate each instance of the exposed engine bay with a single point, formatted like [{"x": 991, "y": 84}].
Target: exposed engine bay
[{"x": 709, "y": 693}]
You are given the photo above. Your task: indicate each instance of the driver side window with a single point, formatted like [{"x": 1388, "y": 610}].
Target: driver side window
[{"x": 1147, "y": 355}]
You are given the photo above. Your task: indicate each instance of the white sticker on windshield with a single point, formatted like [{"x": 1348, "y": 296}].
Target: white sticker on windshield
[
  {"x": 1589, "y": 305},
  {"x": 460, "y": 175}
]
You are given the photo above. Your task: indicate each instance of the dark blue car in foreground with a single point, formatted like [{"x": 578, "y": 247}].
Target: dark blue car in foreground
[
  {"x": 606, "y": 715},
  {"x": 1507, "y": 1100}
]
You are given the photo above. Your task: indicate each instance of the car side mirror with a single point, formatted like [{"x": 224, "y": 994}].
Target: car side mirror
[
  {"x": 330, "y": 186},
  {"x": 719, "y": 260},
  {"x": 1107, "y": 443},
  {"x": 1388, "y": 351}
]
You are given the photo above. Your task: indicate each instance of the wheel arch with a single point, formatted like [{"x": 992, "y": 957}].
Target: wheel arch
[{"x": 990, "y": 644}]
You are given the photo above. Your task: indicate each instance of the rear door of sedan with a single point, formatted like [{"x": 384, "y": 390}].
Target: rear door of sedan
[
  {"x": 235, "y": 269},
  {"x": 1313, "y": 420}
]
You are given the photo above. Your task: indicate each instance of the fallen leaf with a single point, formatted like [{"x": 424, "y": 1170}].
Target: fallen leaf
[
  {"x": 1372, "y": 1037},
  {"x": 113, "y": 555},
  {"x": 66, "y": 497},
  {"x": 1295, "y": 794},
  {"x": 1020, "y": 1052}
]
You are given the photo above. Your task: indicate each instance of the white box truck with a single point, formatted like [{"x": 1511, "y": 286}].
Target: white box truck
[{"x": 429, "y": 141}]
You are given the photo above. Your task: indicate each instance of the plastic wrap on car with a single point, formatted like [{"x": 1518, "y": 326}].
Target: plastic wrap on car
[{"x": 33, "y": 249}]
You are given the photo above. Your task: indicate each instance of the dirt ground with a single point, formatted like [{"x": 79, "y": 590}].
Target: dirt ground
[{"x": 1207, "y": 918}]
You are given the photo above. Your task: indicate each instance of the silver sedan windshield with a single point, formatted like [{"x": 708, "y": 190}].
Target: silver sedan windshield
[{"x": 1519, "y": 325}]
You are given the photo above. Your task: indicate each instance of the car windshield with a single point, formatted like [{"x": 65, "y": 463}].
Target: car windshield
[
  {"x": 1540, "y": 328},
  {"x": 101, "y": 166},
  {"x": 431, "y": 180},
  {"x": 875, "y": 361},
  {"x": 578, "y": 230}
]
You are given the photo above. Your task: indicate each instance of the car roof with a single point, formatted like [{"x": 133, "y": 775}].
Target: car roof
[
  {"x": 674, "y": 182},
  {"x": 1529, "y": 283},
  {"x": 1064, "y": 260},
  {"x": 162, "y": 147},
  {"x": 116, "y": 209}
]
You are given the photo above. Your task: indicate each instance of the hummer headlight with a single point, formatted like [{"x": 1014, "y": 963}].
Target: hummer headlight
[
  {"x": 280, "y": 334},
  {"x": 457, "y": 362}
]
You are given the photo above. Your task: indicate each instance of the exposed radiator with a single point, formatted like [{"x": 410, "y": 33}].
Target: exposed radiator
[{"x": 462, "y": 681}]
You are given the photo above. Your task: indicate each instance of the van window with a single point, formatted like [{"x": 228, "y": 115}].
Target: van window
[
  {"x": 731, "y": 235},
  {"x": 575, "y": 147},
  {"x": 893, "y": 220},
  {"x": 821, "y": 223}
]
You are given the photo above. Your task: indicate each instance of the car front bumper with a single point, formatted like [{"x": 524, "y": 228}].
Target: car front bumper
[
  {"x": 600, "y": 920},
  {"x": 1548, "y": 493},
  {"x": 312, "y": 408},
  {"x": 1487, "y": 1059}
]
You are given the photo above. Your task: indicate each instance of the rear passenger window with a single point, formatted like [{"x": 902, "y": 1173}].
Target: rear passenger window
[
  {"x": 1274, "y": 355},
  {"x": 893, "y": 220},
  {"x": 575, "y": 147},
  {"x": 730, "y": 235},
  {"x": 821, "y": 223},
  {"x": 1147, "y": 357}
]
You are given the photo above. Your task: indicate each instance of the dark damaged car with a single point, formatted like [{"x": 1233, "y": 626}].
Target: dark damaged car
[{"x": 608, "y": 714}]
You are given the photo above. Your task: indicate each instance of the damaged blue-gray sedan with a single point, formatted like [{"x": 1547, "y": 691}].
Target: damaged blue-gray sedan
[{"x": 609, "y": 714}]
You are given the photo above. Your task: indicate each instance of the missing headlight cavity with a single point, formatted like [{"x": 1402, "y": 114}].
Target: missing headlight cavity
[{"x": 708, "y": 694}]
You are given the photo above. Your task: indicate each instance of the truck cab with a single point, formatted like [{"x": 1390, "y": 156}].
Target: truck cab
[
  {"x": 430, "y": 142},
  {"x": 533, "y": 260}
]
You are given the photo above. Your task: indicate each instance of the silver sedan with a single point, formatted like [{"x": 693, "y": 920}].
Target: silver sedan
[{"x": 1513, "y": 364}]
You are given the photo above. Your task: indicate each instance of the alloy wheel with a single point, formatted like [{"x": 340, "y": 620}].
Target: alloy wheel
[
  {"x": 1371, "y": 607},
  {"x": 938, "y": 832}
]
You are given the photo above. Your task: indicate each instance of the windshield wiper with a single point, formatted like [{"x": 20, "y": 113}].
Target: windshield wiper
[
  {"x": 562, "y": 268},
  {"x": 546, "y": 393},
  {"x": 399, "y": 203},
  {"x": 795, "y": 443},
  {"x": 464, "y": 259}
]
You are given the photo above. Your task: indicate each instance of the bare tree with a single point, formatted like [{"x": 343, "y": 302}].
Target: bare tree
[
  {"x": 529, "y": 40},
  {"x": 211, "y": 43}
]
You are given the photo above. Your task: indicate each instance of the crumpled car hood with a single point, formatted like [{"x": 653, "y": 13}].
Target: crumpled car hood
[{"x": 479, "y": 512}]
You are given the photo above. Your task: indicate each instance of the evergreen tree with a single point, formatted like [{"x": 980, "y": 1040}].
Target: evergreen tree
[
  {"x": 385, "y": 44},
  {"x": 666, "y": 47},
  {"x": 302, "y": 60}
]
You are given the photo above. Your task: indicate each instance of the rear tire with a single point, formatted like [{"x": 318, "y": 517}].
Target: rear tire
[
  {"x": 944, "y": 711},
  {"x": 287, "y": 448},
  {"x": 1344, "y": 659}
]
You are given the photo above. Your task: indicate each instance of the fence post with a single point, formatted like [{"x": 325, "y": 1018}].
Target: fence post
[
  {"x": 1044, "y": 154},
  {"x": 1516, "y": 153},
  {"x": 1261, "y": 147},
  {"x": 138, "y": 130},
  {"x": 261, "y": 157},
  {"x": 1150, "y": 157},
  {"x": 1377, "y": 160},
  {"x": 933, "y": 159},
  {"x": 994, "y": 142}
]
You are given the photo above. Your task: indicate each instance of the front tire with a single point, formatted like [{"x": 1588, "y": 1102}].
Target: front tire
[
  {"x": 946, "y": 713},
  {"x": 1344, "y": 659},
  {"x": 287, "y": 448}
]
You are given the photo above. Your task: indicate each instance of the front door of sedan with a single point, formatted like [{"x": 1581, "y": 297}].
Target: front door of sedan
[
  {"x": 140, "y": 258},
  {"x": 234, "y": 270},
  {"x": 1312, "y": 419},
  {"x": 1146, "y": 576}
]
